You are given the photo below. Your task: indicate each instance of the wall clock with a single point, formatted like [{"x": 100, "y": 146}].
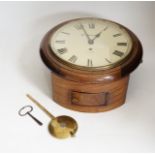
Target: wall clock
[{"x": 91, "y": 60}]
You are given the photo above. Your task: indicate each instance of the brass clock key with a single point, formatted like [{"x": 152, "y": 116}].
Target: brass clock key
[{"x": 61, "y": 126}]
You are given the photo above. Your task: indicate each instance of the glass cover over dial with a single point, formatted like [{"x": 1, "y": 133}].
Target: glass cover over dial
[{"x": 91, "y": 43}]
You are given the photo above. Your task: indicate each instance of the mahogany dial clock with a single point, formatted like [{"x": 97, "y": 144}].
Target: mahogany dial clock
[{"x": 91, "y": 60}]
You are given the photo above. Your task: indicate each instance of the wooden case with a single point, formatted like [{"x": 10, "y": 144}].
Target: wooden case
[{"x": 90, "y": 91}]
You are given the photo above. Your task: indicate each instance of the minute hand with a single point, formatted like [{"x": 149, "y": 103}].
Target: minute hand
[{"x": 86, "y": 34}]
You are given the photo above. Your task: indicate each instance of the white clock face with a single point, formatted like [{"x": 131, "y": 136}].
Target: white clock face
[{"x": 91, "y": 43}]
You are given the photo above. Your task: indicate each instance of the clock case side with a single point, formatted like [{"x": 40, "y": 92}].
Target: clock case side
[{"x": 90, "y": 76}]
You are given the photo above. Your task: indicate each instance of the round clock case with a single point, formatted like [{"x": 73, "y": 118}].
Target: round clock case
[{"x": 90, "y": 89}]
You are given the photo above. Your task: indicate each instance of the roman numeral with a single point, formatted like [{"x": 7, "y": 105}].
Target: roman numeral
[
  {"x": 73, "y": 59},
  {"x": 107, "y": 60},
  {"x": 62, "y": 50},
  {"x": 78, "y": 26},
  {"x": 117, "y": 35},
  {"x": 118, "y": 53},
  {"x": 60, "y": 41},
  {"x": 105, "y": 28},
  {"x": 66, "y": 33},
  {"x": 89, "y": 63},
  {"x": 91, "y": 26},
  {"x": 122, "y": 44}
]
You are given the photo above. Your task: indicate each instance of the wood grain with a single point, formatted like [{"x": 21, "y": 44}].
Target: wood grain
[{"x": 86, "y": 97}]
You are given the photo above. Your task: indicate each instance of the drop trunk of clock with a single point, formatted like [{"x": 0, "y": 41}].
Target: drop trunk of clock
[
  {"x": 90, "y": 89},
  {"x": 89, "y": 97}
]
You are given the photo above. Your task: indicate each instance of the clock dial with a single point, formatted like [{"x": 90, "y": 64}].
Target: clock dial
[{"x": 91, "y": 43}]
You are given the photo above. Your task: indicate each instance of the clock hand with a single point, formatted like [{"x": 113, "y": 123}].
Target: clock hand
[
  {"x": 86, "y": 34},
  {"x": 97, "y": 35}
]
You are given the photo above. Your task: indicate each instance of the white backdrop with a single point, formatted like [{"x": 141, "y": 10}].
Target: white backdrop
[{"x": 129, "y": 128}]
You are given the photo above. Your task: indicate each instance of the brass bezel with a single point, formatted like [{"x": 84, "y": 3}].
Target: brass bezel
[{"x": 84, "y": 68}]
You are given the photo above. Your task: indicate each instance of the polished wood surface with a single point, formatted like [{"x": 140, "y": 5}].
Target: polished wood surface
[{"x": 90, "y": 97}]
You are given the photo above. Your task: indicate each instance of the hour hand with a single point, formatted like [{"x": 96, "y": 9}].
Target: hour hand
[{"x": 97, "y": 35}]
